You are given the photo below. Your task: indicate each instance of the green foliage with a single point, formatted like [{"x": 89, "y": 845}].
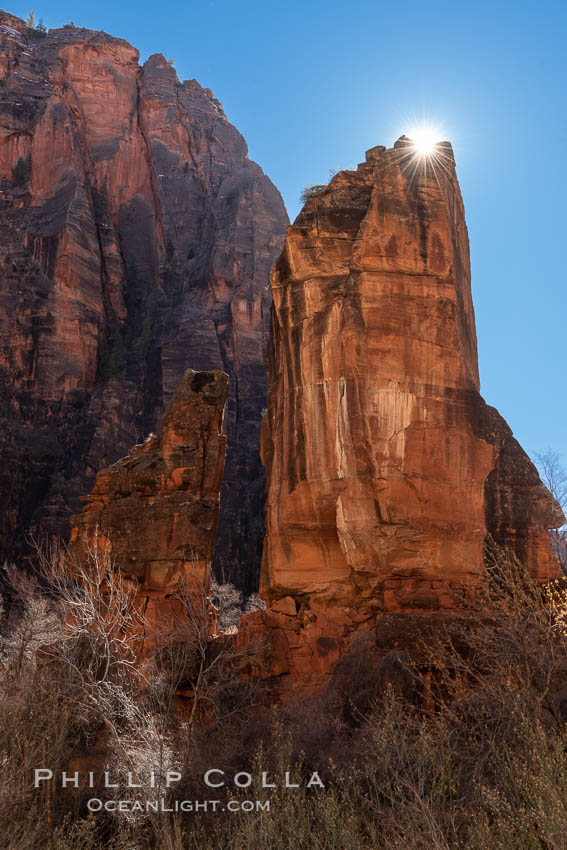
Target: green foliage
[
  {"x": 35, "y": 30},
  {"x": 311, "y": 191}
]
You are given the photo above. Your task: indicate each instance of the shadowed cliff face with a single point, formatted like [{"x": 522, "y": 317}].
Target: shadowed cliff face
[
  {"x": 136, "y": 239},
  {"x": 386, "y": 469}
]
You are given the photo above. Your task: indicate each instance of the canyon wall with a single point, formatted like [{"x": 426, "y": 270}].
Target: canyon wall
[
  {"x": 153, "y": 515},
  {"x": 136, "y": 239},
  {"x": 386, "y": 471}
]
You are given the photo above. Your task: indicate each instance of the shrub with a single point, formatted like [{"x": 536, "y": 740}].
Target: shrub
[
  {"x": 311, "y": 191},
  {"x": 480, "y": 763}
]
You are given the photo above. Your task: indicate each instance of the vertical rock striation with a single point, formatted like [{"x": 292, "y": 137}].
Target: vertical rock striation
[
  {"x": 386, "y": 470},
  {"x": 136, "y": 239}
]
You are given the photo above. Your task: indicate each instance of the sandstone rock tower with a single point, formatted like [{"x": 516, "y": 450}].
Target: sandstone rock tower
[
  {"x": 154, "y": 514},
  {"x": 386, "y": 469}
]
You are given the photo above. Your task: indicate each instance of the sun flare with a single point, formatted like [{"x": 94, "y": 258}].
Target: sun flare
[{"x": 424, "y": 140}]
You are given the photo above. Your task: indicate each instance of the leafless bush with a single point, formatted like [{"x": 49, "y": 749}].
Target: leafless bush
[
  {"x": 81, "y": 667},
  {"x": 254, "y": 603},
  {"x": 479, "y": 760},
  {"x": 228, "y": 602},
  {"x": 512, "y": 650},
  {"x": 554, "y": 477},
  {"x": 32, "y": 622},
  {"x": 230, "y": 606},
  {"x": 334, "y": 171}
]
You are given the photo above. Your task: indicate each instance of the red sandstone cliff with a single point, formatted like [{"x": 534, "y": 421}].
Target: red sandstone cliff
[
  {"x": 386, "y": 470},
  {"x": 153, "y": 515},
  {"x": 135, "y": 241}
]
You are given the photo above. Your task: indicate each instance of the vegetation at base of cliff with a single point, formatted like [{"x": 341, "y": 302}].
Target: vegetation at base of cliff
[{"x": 465, "y": 747}]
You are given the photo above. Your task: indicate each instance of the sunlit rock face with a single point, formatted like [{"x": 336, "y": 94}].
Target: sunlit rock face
[
  {"x": 136, "y": 239},
  {"x": 153, "y": 515},
  {"x": 386, "y": 469}
]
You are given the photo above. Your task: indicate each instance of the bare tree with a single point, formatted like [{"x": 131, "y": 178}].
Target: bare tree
[
  {"x": 98, "y": 679},
  {"x": 228, "y": 603},
  {"x": 31, "y": 622},
  {"x": 554, "y": 477}
]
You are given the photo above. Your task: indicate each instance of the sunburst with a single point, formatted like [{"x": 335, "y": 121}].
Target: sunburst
[
  {"x": 423, "y": 155},
  {"x": 424, "y": 140}
]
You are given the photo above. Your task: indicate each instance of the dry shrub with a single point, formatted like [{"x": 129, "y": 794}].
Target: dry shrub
[
  {"x": 462, "y": 745},
  {"x": 73, "y": 688},
  {"x": 480, "y": 761}
]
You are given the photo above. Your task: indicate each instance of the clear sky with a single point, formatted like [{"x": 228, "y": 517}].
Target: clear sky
[{"x": 313, "y": 84}]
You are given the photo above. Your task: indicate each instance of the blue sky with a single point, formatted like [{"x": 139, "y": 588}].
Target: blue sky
[{"x": 313, "y": 84}]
